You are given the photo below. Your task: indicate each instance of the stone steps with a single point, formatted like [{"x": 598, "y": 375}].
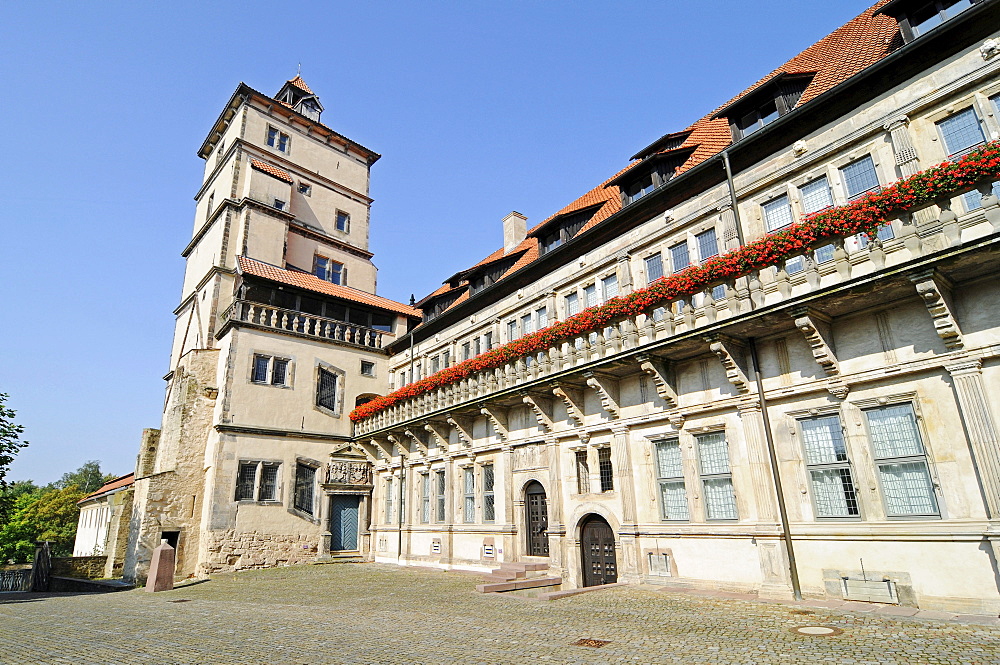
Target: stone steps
[
  {"x": 512, "y": 585},
  {"x": 514, "y": 575}
]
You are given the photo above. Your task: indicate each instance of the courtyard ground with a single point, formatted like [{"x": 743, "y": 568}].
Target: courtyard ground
[{"x": 369, "y": 613}]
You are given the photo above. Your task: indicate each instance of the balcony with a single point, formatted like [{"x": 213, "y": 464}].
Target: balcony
[
  {"x": 269, "y": 317},
  {"x": 764, "y": 301}
]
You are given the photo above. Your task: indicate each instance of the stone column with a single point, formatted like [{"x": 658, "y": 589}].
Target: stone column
[
  {"x": 625, "y": 485},
  {"x": 554, "y": 500},
  {"x": 449, "y": 508},
  {"x": 624, "y": 274},
  {"x": 980, "y": 426},
  {"x": 902, "y": 146},
  {"x": 764, "y": 499}
]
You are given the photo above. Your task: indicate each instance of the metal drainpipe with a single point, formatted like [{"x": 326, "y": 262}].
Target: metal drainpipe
[
  {"x": 400, "y": 506},
  {"x": 732, "y": 197},
  {"x": 786, "y": 534}
]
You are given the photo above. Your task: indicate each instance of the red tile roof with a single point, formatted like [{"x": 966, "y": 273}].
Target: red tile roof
[
  {"x": 861, "y": 42},
  {"x": 271, "y": 170},
  {"x": 304, "y": 280},
  {"x": 116, "y": 484},
  {"x": 301, "y": 85}
]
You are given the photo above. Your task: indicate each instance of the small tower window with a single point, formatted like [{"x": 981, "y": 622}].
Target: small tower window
[{"x": 277, "y": 140}]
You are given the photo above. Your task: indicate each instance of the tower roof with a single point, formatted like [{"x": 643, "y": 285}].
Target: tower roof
[{"x": 301, "y": 85}]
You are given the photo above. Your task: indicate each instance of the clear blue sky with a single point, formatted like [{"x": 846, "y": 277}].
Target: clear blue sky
[{"x": 478, "y": 108}]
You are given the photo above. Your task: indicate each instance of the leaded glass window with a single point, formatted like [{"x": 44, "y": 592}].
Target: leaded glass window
[
  {"x": 305, "y": 478},
  {"x": 246, "y": 480},
  {"x": 777, "y": 213},
  {"x": 425, "y": 497},
  {"x": 902, "y": 463},
  {"x": 961, "y": 133},
  {"x": 260, "y": 365},
  {"x": 708, "y": 244},
  {"x": 716, "y": 477},
  {"x": 679, "y": 257},
  {"x": 590, "y": 294},
  {"x": 815, "y": 195},
  {"x": 326, "y": 390},
  {"x": 469, "y": 487},
  {"x": 268, "y": 483},
  {"x": 670, "y": 477},
  {"x": 860, "y": 177},
  {"x": 609, "y": 286},
  {"x": 607, "y": 471},
  {"x": 439, "y": 495},
  {"x": 489, "y": 507},
  {"x": 833, "y": 490},
  {"x": 390, "y": 506},
  {"x": 582, "y": 472},
  {"x": 654, "y": 268},
  {"x": 572, "y": 304},
  {"x": 279, "y": 371}
]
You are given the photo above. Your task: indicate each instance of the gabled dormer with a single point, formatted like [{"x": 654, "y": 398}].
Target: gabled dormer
[
  {"x": 562, "y": 228},
  {"x": 651, "y": 173},
  {"x": 296, "y": 95},
  {"x": 765, "y": 104},
  {"x": 918, "y": 17}
]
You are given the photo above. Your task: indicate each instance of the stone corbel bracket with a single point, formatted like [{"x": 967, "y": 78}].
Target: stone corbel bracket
[
  {"x": 404, "y": 450},
  {"x": 464, "y": 429},
  {"x": 384, "y": 447},
  {"x": 658, "y": 371},
  {"x": 815, "y": 327},
  {"x": 417, "y": 441},
  {"x": 370, "y": 451},
  {"x": 542, "y": 408},
  {"x": 498, "y": 418},
  {"x": 607, "y": 391},
  {"x": 439, "y": 432},
  {"x": 572, "y": 399},
  {"x": 935, "y": 290},
  {"x": 732, "y": 355}
]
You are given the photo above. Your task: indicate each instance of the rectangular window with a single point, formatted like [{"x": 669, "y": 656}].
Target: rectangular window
[
  {"x": 609, "y": 287},
  {"x": 305, "y": 189},
  {"x": 466, "y": 351},
  {"x": 777, "y": 213},
  {"x": 390, "y": 504},
  {"x": 716, "y": 478},
  {"x": 326, "y": 390},
  {"x": 246, "y": 481},
  {"x": 884, "y": 233},
  {"x": 477, "y": 346},
  {"x": 670, "y": 477},
  {"x": 708, "y": 244},
  {"x": 961, "y": 133},
  {"x": 679, "y": 257},
  {"x": 445, "y": 358},
  {"x": 824, "y": 253},
  {"x": 439, "y": 496},
  {"x": 425, "y": 497},
  {"x": 210, "y": 206},
  {"x": 268, "y": 490},
  {"x": 654, "y": 268},
  {"x": 343, "y": 221},
  {"x": 511, "y": 331},
  {"x": 833, "y": 489},
  {"x": 305, "y": 478},
  {"x": 469, "y": 502},
  {"x": 815, "y": 195},
  {"x": 572, "y": 304},
  {"x": 607, "y": 471},
  {"x": 269, "y": 370},
  {"x": 328, "y": 269},
  {"x": 541, "y": 318},
  {"x": 860, "y": 177},
  {"x": 489, "y": 507},
  {"x": 277, "y": 140},
  {"x": 367, "y": 368},
  {"x": 526, "y": 328},
  {"x": 435, "y": 364},
  {"x": 590, "y": 295},
  {"x": 279, "y": 204},
  {"x": 279, "y": 371},
  {"x": 488, "y": 340},
  {"x": 582, "y": 472},
  {"x": 718, "y": 292},
  {"x": 902, "y": 463},
  {"x": 260, "y": 369}
]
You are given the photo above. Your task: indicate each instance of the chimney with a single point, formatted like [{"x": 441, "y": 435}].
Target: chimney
[{"x": 515, "y": 230}]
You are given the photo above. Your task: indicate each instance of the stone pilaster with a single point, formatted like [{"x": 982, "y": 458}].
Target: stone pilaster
[
  {"x": 981, "y": 428},
  {"x": 902, "y": 146},
  {"x": 625, "y": 486},
  {"x": 764, "y": 499},
  {"x": 557, "y": 529}
]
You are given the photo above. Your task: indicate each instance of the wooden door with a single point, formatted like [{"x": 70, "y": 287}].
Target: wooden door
[
  {"x": 597, "y": 542},
  {"x": 344, "y": 522},
  {"x": 537, "y": 520}
]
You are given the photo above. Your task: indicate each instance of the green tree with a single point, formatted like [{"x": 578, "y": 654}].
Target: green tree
[
  {"x": 10, "y": 439},
  {"x": 88, "y": 478},
  {"x": 41, "y": 514}
]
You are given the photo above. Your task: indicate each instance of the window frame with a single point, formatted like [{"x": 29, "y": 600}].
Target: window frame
[
  {"x": 271, "y": 364},
  {"x": 838, "y": 465},
  {"x": 705, "y": 477},
  {"x": 338, "y": 389},
  {"x": 440, "y": 496},
  {"x": 257, "y": 489},
  {"x": 468, "y": 495},
  {"x": 961, "y": 152},
  {"x": 662, "y": 479},
  {"x": 582, "y": 466},
  {"x": 700, "y": 242},
  {"x": 843, "y": 178},
  {"x": 304, "y": 188},
  {"x": 606, "y": 469},
  {"x": 683, "y": 244},
  {"x": 346, "y": 217},
  {"x": 371, "y": 364},
  {"x": 766, "y": 214},
  {"x": 920, "y": 458},
  {"x": 302, "y": 484},
  {"x": 425, "y": 497},
  {"x": 277, "y": 139},
  {"x": 488, "y": 473},
  {"x": 328, "y": 271}
]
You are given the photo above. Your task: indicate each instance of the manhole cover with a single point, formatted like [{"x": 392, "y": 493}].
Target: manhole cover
[
  {"x": 180, "y": 600},
  {"x": 590, "y": 643},
  {"x": 817, "y": 631}
]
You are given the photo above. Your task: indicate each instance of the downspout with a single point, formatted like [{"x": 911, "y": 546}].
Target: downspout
[{"x": 786, "y": 534}]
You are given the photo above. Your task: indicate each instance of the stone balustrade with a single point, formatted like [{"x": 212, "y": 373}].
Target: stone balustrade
[
  {"x": 276, "y": 318},
  {"x": 825, "y": 266}
]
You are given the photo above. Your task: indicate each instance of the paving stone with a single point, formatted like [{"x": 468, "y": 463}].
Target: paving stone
[{"x": 374, "y": 614}]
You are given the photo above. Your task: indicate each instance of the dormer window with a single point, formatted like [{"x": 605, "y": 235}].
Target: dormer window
[
  {"x": 767, "y": 103},
  {"x": 918, "y": 17},
  {"x": 650, "y": 174},
  {"x": 562, "y": 228},
  {"x": 489, "y": 276}
]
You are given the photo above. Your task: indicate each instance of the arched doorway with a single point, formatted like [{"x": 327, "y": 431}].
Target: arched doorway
[
  {"x": 536, "y": 520},
  {"x": 597, "y": 546}
]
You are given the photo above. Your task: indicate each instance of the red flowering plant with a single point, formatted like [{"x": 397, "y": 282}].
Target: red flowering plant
[{"x": 864, "y": 215}]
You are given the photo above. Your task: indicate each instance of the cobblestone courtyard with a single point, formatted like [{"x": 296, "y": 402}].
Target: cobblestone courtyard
[{"x": 366, "y": 613}]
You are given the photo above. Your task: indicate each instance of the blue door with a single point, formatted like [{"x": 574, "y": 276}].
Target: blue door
[{"x": 344, "y": 521}]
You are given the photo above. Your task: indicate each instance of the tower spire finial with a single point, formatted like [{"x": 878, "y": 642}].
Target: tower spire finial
[{"x": 298, "y": 71}]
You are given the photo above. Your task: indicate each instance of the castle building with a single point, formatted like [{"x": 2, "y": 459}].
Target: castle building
[
  {"x": 705, "y": 372},
  {"x": 279, "y": 334},
  {"x": 824, "y": 422}
]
